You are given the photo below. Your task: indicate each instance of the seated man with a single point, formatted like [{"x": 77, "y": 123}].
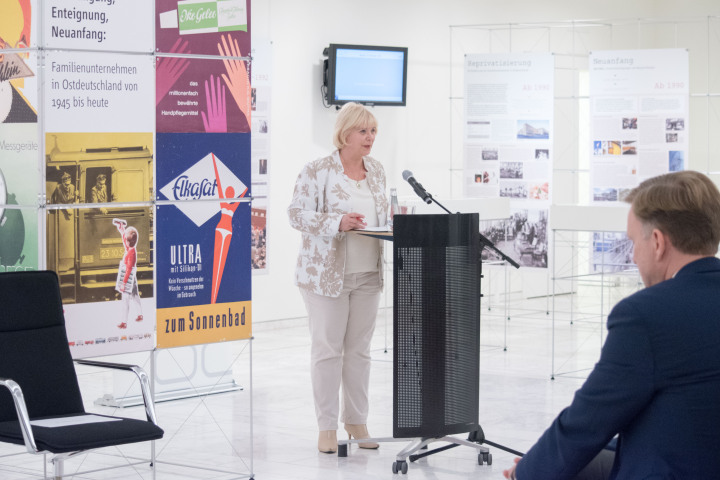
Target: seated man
[{"x": 657, "y": 383}]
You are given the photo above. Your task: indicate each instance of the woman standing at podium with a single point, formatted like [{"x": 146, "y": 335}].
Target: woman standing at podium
[{"x": 340, "y": 274}]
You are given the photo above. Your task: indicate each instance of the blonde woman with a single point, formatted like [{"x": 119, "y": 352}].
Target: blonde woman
[{"x": 339, "y": 273}]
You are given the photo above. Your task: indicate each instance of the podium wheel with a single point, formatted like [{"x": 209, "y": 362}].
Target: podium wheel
[{"x": 400, "y": 466}]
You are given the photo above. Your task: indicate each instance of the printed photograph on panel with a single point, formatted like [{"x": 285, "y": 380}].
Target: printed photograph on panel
[
  {"x": 605, "y": 194},
  {"x": 258, "y": 239},
  {"x": 523, "y": 237},
  {"x": 676, "y": 160},
  {"x": 85, "y": 174},
  {"x": 611, "y": 252},
  {"x": 104, "y": 261},
  {"x": 98, "y": 168},
  {"x": 533, "y": 129},
  {"x": 91, "y": 248},
  {"x": 542, "y": 154}
]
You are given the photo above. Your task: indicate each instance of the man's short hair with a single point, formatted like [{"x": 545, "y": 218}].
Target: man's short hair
[
  {"x": 352, "y": 115},
  {"x": 102, "y": 176},
  {"x": 131, "y": 234},
  {"x": 685, "y": 206}
]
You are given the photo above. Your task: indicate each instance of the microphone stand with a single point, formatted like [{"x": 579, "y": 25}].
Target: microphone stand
[
  {"x": 485, "y": 242},
  {"x": 430, "y": 197}
]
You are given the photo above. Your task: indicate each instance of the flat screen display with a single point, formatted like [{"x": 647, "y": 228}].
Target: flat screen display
[{"x": 369, "y": 75}]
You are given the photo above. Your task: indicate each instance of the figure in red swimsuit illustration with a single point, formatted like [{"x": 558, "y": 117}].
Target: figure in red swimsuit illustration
[
  {"x": 127, "y": 271},
  {"x": 223, "y": 232}
]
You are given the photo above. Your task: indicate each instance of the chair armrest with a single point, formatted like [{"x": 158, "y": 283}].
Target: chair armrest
[
  {"x": 142, "y": 378},
  {"x": 21, "y": 409}
]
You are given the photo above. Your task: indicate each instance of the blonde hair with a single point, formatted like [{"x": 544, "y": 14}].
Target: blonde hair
[
  {"x": 685, "y": 206},
  {"x": 352, "y": 116}
]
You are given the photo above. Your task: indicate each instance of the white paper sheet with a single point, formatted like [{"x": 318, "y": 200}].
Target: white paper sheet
[{"x": 384, "y": 228}]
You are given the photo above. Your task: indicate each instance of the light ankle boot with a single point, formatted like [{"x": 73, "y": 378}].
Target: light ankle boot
[
  {"x": 327, "y": 441},
  {"x": 360, "y": 432}
]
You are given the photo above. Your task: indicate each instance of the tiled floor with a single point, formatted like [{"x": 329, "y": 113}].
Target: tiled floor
[{"x": 517, "y": 401}]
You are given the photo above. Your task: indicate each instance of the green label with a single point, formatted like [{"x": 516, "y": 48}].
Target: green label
[
  {"x": 232, "y": 15},
  {"x": 197, "y": 16}
]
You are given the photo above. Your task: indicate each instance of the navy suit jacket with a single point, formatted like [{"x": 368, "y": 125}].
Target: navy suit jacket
[{"x": 657, "y": 385}]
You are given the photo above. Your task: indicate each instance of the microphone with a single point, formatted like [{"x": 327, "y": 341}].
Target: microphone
[{"x": 419, "y": 190}]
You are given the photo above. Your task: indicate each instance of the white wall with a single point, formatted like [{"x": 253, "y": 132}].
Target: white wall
[{"x": 416, "y": 137}]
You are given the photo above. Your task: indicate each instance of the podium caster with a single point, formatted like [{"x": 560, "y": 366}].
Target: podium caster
[
  {"x": 400, "y": 466},
  {"x": 342, "y": 450},
  {"x": 484, "y": 458}
]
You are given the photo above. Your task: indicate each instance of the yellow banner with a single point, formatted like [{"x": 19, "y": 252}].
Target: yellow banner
[{"x": 200, "y": 324}]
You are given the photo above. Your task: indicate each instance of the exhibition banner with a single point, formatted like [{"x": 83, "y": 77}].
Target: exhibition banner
[
  {"x": 18, "y": 24},
  {"x": 195, "y": 26},
  {"x": 508, "y": 120},
  {"x": 103, "y": 258},
  {"x": 98, "y": 92},
  {"x": 202, "y": 95},
  {"x": 105, "y": 25},
  {"x": 103, "y": 254},
  {"x": 19, "y": 189},
  {"x": 203, "y": 242},
  {"x": 19, "y": 145},
  {"x": 638, "y": 118}
]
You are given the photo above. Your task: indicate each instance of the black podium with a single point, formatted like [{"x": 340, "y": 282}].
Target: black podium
[
  {"x": 436, "y": 324},
  {"x": 436, "y": 332}
]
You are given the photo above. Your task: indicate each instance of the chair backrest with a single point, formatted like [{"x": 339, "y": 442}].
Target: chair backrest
[{"x": 34, "y": 349}]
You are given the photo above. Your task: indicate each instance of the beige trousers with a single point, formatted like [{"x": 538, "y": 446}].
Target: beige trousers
[{"x": 341, "y": 329}]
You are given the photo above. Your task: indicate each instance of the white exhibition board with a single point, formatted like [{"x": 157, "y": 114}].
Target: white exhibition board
[
  {"x": 638, "y": 118},
  {"x": 507, "y": 142}
]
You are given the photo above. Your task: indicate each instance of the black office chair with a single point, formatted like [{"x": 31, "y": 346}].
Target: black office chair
[{"x": 38, "y": 374}]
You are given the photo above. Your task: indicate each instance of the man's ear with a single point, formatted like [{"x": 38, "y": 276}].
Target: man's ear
[{"x": 660, "y": 243}]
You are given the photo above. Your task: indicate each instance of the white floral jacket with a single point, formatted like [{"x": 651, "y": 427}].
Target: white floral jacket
[{"x": 319, "y": 201}]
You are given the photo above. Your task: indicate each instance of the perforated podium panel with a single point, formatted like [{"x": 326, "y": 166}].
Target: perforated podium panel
[{"x": 436, "y": 324}]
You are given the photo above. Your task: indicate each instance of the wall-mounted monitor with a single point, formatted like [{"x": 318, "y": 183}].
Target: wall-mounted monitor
[{"x": 366, "y": 74}]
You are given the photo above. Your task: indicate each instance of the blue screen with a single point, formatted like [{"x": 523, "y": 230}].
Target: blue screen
[{"x": 369, "y": 75}]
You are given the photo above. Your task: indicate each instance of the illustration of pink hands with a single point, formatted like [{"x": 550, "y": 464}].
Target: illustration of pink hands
[
  {"x": 236, "y": 79},
  {"x": 216, "y": 118},
  {"x": 169, "y": 69}
]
